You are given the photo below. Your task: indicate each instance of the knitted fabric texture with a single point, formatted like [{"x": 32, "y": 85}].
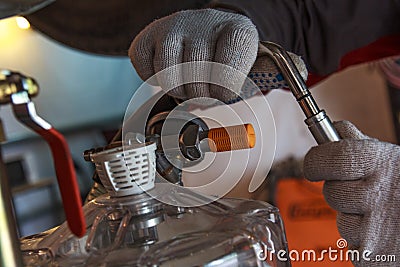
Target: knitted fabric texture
[
  {"x": 195, "y": 36},
  {"x": 362, "y": 184},
  {"x": 206, "y": 36}
]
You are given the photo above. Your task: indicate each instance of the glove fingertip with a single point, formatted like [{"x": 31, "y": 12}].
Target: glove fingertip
[
  {"x": 346, "y": 129},
  {"x": 300, "y": 65},
  {"x": 346, "y": 159},
  {"x": 237, "y": 46},
  {"x": 226, "y": 95},
  {"x": 311, "y": 172}
]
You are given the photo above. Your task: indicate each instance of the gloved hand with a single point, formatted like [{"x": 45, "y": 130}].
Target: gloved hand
[
  {"x": 206, "y": 35},
  {"x": 363, "y": 184},
  {"x": 195, "y": 35}
]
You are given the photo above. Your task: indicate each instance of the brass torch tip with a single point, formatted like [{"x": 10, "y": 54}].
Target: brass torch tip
[{"x": 232, "y": 138}]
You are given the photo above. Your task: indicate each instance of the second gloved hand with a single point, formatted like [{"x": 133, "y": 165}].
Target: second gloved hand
[
  {"x": 196, "y": 35},
  {"x": 363, "y": 184}
]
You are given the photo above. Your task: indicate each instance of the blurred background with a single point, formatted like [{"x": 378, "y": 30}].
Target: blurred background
[{"x": 82, "y": 95}]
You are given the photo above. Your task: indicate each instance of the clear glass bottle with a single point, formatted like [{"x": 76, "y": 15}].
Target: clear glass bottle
[{"x": 132, "y": 225}]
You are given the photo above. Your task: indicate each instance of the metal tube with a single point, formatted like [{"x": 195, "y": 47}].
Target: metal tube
[
  {"x": 318, "y": 122},
  {"x": 10, "y": 254}
]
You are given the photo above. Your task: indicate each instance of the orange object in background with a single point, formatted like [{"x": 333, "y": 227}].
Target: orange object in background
[{"x": 310, "y": 224}]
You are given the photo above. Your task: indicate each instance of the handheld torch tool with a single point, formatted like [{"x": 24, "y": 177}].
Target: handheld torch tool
[
  {"x": 188, "y": 146},
  {"x": 317, "y": 120}
]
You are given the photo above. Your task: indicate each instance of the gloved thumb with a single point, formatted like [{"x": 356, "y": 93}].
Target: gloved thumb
[
  {"x": 347, "y": 130},
  {"x": 341, "y": 159}
]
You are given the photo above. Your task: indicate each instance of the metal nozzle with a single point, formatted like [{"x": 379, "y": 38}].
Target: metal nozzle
[{"x": 318, "y": 122}]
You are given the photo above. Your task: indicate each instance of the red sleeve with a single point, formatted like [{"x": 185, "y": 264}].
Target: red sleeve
[{"x": 386, "y": 46}]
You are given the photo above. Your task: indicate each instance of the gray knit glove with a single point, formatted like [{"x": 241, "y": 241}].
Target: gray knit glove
[
  {"x": 363, "y": 185},
  {"x": 206, "y": 35},
  {"x": 195, "y": 35}
]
